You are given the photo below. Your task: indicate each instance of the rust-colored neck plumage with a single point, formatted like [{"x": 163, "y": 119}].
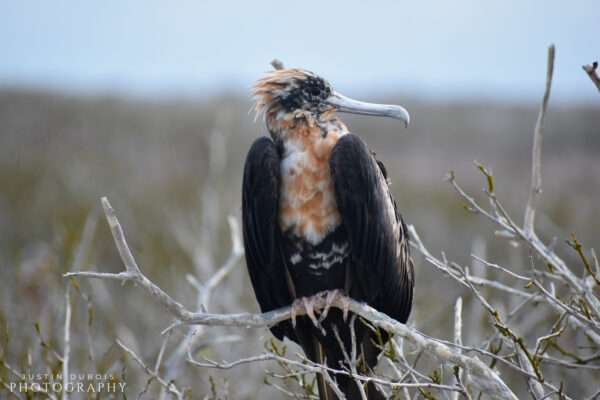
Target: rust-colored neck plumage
[
  {"x": 307, "y": 204},
  {"x": 296, "y": 115}
]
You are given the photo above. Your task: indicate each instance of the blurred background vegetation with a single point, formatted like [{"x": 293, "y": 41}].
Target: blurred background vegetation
[
  {"x": 140, "y": 100},
  {"x": 62, "y": 152}
]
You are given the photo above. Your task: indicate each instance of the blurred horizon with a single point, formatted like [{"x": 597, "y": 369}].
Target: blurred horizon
[
  {"x": 464, "y": 50},
  {"x": 148, "y": 104}
]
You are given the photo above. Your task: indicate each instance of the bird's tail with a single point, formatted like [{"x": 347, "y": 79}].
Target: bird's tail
[
  {"x": 325, "y": 390},
  {"x": 328, "y": 352},
  {"x": 346, "y": 384}
]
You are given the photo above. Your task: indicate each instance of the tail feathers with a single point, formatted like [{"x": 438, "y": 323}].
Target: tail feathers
[
  {"x": 326, "y": 350},
  {"x": 317, "y": 354},
  {"x": 347, "y": 385}
]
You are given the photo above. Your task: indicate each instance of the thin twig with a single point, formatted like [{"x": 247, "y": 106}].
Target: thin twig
[
  {"x": 458, "y": 323},
  {"x": 591, "y": 69},
  {"x": 277, "y": 64},
  {"x": 536, "y": 162},
  {"x": 169, "y": 386},
  {"x": 67, "y": 343},
  {"x": 501, "y": 268}
]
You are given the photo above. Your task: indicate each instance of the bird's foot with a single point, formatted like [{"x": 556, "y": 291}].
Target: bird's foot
[
  {"x": 304, "y": 305},
  {"x": 330, "y": 297}
]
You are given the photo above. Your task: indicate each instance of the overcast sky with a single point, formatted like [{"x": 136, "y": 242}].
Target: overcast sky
[{"x": 465, "y": 48}]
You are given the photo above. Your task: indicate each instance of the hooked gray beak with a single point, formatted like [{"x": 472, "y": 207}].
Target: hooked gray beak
[{"x": 348, "y": 105}]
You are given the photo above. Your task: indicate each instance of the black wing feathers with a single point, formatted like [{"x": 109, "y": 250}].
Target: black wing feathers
[
  {"x": 260, "y": 200},
  {"x": 382, "y": 271}
]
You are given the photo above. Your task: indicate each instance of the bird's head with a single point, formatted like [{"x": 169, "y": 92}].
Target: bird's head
[{"x": 287, "y": 94}]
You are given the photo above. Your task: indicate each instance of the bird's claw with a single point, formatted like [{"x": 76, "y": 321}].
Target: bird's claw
[
  {"x": 296, "y": 306},
  {"x": 309, "y": 306},
  {"x": 345, "y": 306},
  {"x": 330, "y": 298},
  {"x": 304, "y": 305}
]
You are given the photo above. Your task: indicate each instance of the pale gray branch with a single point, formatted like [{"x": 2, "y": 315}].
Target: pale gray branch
[
  {"x": 536, "y": 162},
  {"x": 458, "y": 323},
  {"x": 67, "y": 342},
  {"x": 119, "y": 237},
  {"x": 169, "y": 386}
]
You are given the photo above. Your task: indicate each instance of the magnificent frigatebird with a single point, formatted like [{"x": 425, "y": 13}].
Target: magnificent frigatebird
[{"x": 318, "y": 217}]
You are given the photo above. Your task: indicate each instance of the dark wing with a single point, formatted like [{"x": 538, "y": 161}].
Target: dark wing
[
  {"x": 260, "y": 201},
  {"x": 382, "y": 271}
]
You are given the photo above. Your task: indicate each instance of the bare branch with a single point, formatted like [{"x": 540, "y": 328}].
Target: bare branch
[
  {"x": 591, "y": 69},
  {"x": 536, "y": 164},
  {"x": 312, "y": 367},
  {"x": 67, "y": 343},
  {"x": 277, "y": 64},
  {"x": 174, "y": 362},
  {"x": 81, "y": 250},
  {"x": 481, "y": 376},
  {"x": 237, "y": 252},
  {"x": 132, "y": 272},
  {"x": 545, "y": 252},
  {"x": 119, "y": 238},
  {"x": 501, "y": 268},
  {"x": 458, "y": 321},
  {"x": 535, "y": 387},
  {"x": 458, "y": 335},
  {"x": 161, "y": 352},
  {"x": 169, "y": 386}
]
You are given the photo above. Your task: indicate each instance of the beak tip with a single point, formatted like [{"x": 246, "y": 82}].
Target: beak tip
[{"x": 405, "y": 116}]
